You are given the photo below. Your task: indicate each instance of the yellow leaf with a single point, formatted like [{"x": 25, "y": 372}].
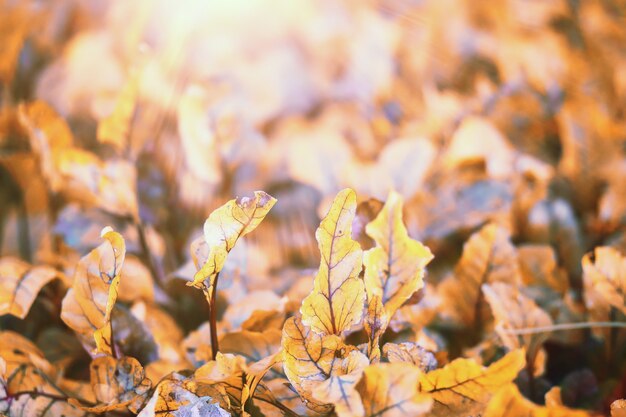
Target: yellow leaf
[
  {"x": 79, "y": 174},
  {"x": 223, "y": 228},
  {"x": 308, "y": 357},
  {"x": 391, "y": 390},
  {"x": 336, "y": 302},
  {"x": 19, "y": 285},
  {"x": 117, "y": 384},
  {"x": 50, "y": 137},
  {"x": 513, "y": 311},
  {"x": 115, "y": 129},
  {"x": 88, "y": 304},
  {"x": 604, "y": 275},
  {"x": 177, "y": 396},
  {"x": 409, "y": 352},
  {"x": 488, "y": 256},
  {"x": 465, "y": 385},
  {"x": 394, "y": 269},
  {"x": 508, "y": 402},
  {"x": 339, "y": 389}
]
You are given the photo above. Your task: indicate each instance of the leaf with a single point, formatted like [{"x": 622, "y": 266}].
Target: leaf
[
  {"x": 254, "y": 346},
  {"x": 508, "y": 402},
  {"x": 513, "y": 311},
  {"x": 394, "y": 269},
  {"x": 223, "y": 228},
  {"x": 177, "y": 396},
  {"x": 375, "y": 324},
  {"x": 50, "y": 137},
  {"x": 604, "y": 275},
  {"x": 308, "y": 357},
  {"x": 77, "y": 173},
  {"x": 336, "y": 302},
  {"x": 19, "y": 285},
  {"x": 163, "y": 328},
  {"x": 340, "y": 388},
  {"x": 88, "y": 304},
  {"x": 391, "y": 390},
  {"x": 538, "y": 266},
  {"x": 409, "y": 352},
  {"x": 115, "y": 129},
  {"x": 488, "y": 256},
  {"x": 25, "y": 368},
  {"x": 618, "y": 408},
  {"x": 465, "y": 385},
  {"x": 117, "y": 384}
]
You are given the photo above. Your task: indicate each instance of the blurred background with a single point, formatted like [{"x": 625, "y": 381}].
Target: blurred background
[{"x": 147, "y": 115}]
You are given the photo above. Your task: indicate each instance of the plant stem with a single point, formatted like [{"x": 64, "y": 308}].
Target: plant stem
[{"x": 212, "y": 314}]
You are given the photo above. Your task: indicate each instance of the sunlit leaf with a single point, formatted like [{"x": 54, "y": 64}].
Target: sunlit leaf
[
  {"x": 19, "y": 285},
  {"x": 223, "y": 228},
  {"x": 464, "y": 385},
  {"x": 309, "y": 357},
  {"x": 391, "y": 390},
  {"x": 509, "y": 402},
  {"x": 336, "y": 302},
  {"x": 88, "y": 304},
  {"x": 394, "y": 269},
  {"x": 340, "y": 388}
]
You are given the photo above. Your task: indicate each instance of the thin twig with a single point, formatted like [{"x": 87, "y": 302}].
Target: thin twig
[{"x": 563, "y": 326}]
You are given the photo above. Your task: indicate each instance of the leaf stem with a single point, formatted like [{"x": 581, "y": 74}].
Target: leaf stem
[{"x": 563, "y": 326}]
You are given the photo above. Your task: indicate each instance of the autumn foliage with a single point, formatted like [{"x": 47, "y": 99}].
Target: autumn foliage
[{"x": 441, "y": 231}]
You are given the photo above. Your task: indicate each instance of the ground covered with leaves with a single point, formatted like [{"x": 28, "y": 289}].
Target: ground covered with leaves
[{"x": 441, "y": 231}]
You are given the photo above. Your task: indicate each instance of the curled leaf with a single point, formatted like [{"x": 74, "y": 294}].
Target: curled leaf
[
  {"x": 391, "y": 390},
  {"x": 88, "y": 304},
  {"x": 19, "y": 285},
  {"x": 222, "y": 229},
  {"x": 336, "y": 302},
  {"x": 465, "y": 385}
]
